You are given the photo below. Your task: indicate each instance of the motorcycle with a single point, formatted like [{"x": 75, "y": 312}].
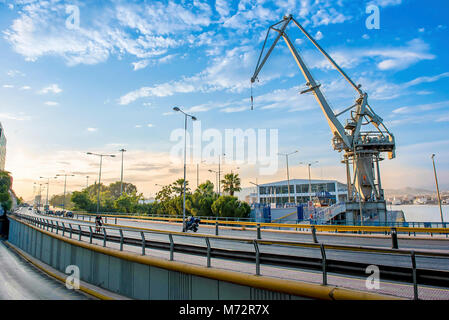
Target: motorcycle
[{"x": 193, "y": 224}]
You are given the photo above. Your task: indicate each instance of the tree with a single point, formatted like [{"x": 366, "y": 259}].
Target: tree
[
  {"x": 82, "y": 201},
  {"x": 127, "y": 202},
  {"x": 230, "y": 206},
  {"x": 57, "y": 200},
  {"x": 231, "y": 183},
  {"x": 178, "y": 187},
  {"x": 114, "y": 188},
  {"x": 5, "y": 187}
]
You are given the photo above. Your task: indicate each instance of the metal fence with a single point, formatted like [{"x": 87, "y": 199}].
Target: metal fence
[{"x": 108, "y": 235}]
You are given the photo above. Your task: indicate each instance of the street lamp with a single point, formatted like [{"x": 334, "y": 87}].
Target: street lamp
[
  {"x": 216, "y": 178},
  {"x": 87, "y": 182},
  {"x": 185, "y": 152},
  {"x": 65, "y": 184},
  {"x": 48, "y": 187},
  {"x": 198, "y": 173},
  {"x": 99, "y": 175},
  {"x": 310, "y": 182},
  {"x": 288, "y": 176},
  {"x": 257, "y": 186},
  {"x": 121, "y": 176},
  {"x": 438, "y": 190}
]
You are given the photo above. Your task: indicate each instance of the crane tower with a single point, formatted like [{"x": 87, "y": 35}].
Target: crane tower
[{"x": 362, "y": 138}]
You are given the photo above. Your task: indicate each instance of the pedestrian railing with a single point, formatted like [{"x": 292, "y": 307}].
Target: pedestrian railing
[{"x": 144, "y": 238}]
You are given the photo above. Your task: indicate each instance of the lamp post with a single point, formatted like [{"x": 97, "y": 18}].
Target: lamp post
[
  {"x": 65, "y": 184},
  {"x": 288, "y": 176},
  {"x": 185, "y": 152},
  {"x": 258, "y": 194},
  {"x": 310, "y": 181},
  {"x": 198, "y": 173},
  {"x": 438, "y": 190},
  {"x": 216, "y": 178},
  {"x": 99, "y": 175},
  {"x": 121, "y": 175},
  {"x": 219, "y": 172},
  {"x": 87, "y": 181},
  {"x": 48, "y": 187}
]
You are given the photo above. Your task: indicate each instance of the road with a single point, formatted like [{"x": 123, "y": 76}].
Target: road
[
  {"x": 20, "y": 280},
  {"x": 368, "y": 258}
]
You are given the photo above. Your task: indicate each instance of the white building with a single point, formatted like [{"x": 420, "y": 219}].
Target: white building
[{"x": 277, "y": 192}]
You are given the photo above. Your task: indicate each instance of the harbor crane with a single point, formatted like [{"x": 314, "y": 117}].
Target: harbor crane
[{"x": 363, "y": 137}]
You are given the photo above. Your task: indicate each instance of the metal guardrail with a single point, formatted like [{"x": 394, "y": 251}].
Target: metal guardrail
[
  {"x": 412, "y": 274},
  {"x": 318, "y": 227}
]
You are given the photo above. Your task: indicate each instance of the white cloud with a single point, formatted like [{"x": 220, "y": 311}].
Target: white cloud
[
  {"x": 138, "y": 126},
  {"x": 150, "y": 125},
  {"x": 18, "y": 117},
  {"x": 8, "y": 86},
  {"x": 53, "y": 88},
  {"x": 319, "y": 35},
  {"x": 14, "y": 73},
  {"x": 92, "y": 129},
  {"x": 52, "y": 103},
  {"x": 25, "y": 88}
]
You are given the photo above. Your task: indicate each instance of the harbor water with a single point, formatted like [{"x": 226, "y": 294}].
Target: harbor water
[{"x": 422, "y": 213}]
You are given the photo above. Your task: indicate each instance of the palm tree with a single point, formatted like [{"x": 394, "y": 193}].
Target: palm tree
[
  {"x": 231, "y": 183},
  {"x": 178, "y": 187}
]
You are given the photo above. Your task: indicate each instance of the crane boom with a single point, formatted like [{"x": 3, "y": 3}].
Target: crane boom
[{"x": 362, "y": 148}]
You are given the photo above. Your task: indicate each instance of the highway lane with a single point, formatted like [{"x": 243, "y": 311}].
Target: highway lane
[
  {"x": 20, "y": 280},
  {"x": 368, "y": 258},
  {"x": 417, "y": 243}
]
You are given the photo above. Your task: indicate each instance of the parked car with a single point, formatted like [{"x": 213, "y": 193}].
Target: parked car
[{"x": 69, "y": 214}]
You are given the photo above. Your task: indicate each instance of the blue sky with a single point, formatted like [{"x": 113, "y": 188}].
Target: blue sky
[{"x": 113, "y": 81}]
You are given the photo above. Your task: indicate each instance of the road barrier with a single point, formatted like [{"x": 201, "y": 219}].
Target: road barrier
[
  {"x": 145, "y": 277},
  {"x": 411, "y": 274},
  {"x": 318, "y": 227}
]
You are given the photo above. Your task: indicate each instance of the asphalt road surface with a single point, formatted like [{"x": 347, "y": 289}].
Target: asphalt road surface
[
  {"x": 369, "y": 258},
  {"x": 20, "y": 280}
]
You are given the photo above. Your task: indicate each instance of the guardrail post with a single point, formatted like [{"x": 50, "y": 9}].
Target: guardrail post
[
  {"x": 208, "y": 251},
  {"x": 104, "y": 237},
  {"x": 48, "y": 224},
  {"x": 63, "y": 228},
  {"x": 121, "y": 239},
  {"x": 323, "y": 264},
  {"x": 256, "y": 248},
  {"x": 172, "y": 246},
  {"x": 52, "y": 226},
  {"x": 57, "y": 227},
  {"x": 115, "y": 220},
  {"x": 70, "y": 225},
  {"x": 216, "y": 228},
  {"x": 90, "y": 234},
  {"x": 79, "y": 229},
  {"x": 105, "y": 219},
  {"x": 315, "y": 240},
  {"x": 143, "y": 242},
  {"x": 394, "y": 239},
  {"x": 83, "y": 217},
  {"x": 259, "y": 236},
  {"x": 415, "y": 280}
]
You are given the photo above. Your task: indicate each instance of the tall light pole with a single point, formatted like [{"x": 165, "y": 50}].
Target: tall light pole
[
  {"x": 257, "y": 186},
  {"x": 438, "y": 190},
  {"x": 216, "y": 178},
  {"x": 99, "y": 175},
  {"x": 65, "y": 184},
  {"x": 121, "y": 175},
  {"x": 288, "y": 176},
  {"x": 87, "y": 182},
  {"x": 310, "y": 181},
  {"x": 48, "y": 187},
  {"x": 198, "y": 173},
  {"x": 185, "y": 152},
  {"x": 219, "y": 172}
]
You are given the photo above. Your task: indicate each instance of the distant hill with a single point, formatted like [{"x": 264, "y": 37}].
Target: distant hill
[{"x": 407, "y": 192}]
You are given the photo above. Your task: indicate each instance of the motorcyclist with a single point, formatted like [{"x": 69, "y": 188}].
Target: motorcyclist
[{"x": 98, "y": 223}]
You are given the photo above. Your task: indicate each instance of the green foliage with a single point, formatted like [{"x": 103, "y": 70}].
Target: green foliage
[
  {"x": 58, "y": 199},
  {"x": 231, "y": 183},
  {"x": 5, "y": 186},
  {"x": 229, "y": 206},
  {"x": 127, "y": 202}
]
